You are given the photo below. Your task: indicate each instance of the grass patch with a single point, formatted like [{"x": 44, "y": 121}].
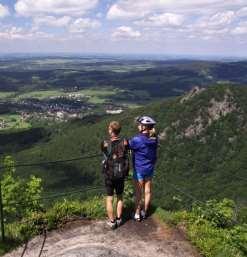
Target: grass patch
[
  {"x": 41, "y": 95},
  {"x": 13, "y": 121},
  {"x": 98, "y": 96},
  {"x": 211, "y": 239},
  {"x": 94, "y": 95},
  {"x": 4, "y": 95}
]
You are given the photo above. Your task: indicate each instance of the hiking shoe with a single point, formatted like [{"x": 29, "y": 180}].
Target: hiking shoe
[
  {"x": 119, "y": 222},
  {"x": 143, "y": 214},
  {"x": 112, "y": 224},
  {"x": 137, "y": 217}
]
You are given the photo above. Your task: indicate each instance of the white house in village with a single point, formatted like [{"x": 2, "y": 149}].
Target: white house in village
[{"x": 114, "y": 111}]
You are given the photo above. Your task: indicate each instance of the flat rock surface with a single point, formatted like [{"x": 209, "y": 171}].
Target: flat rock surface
[{"x": 94, "y": 239}]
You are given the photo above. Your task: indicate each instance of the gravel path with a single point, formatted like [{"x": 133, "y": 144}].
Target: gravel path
[{"x": 94, "y": 239}]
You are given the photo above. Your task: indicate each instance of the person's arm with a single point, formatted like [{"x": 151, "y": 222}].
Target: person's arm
[
  {"x": 104, "y": 147},
  {"x": 126, "y": 144},
  {"x": 127, "y": 153},
  {"x": 156, "y": 150}
]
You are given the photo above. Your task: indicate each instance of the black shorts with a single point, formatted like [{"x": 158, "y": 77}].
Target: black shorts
[{"x": 114, "y": 185}]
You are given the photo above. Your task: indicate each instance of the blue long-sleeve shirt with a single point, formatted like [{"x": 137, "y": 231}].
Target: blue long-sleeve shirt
[{"x": 144, "y": 149}]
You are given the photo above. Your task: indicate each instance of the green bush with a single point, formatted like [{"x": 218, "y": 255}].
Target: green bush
[
  {"x": 212, "y": 242},
  {"x": 242, "y": 214},
  {"x": 220, "y": 214},
  {"x": 64, "y": 210},
  {"x": 20, "y": 197},
  {"x": 238, "y": 237},
  {"x": 211, "y": 228},
  {"x": 54, "y": 217}
]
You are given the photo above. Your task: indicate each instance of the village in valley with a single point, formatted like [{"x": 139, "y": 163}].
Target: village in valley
[{"x": 60, "y": 108}]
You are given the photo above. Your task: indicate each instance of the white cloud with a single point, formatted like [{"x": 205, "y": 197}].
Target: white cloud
[
  {"x": 125, "y": 32},
  {"x": 56, "y": 7},
  {"x": 211, "y": 19},
  {"x": 215, "y": 32},
  {"x": 165, "y": 19},
  {"x": 242, "y": 12},
  {"x": 211, "y": 27},
  {"x": 13, "y": 33},
  {"x": 81, "y": 25},
  {"x": 241, "y": 29},
  {"x": 116, "y": 12},
  {"x": 149, "y": 24},
  {"x": 134, "y": 9},
  {"x": 51, "y": 21},
  {"x": 4, "y": 11},
  {"x": 219, "y": 19}
]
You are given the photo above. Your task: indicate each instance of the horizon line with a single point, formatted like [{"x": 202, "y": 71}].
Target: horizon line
[{"x": 156, "y": 55}]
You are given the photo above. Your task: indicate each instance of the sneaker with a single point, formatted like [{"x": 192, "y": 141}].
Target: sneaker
[
  {"x": 137, "y": 217},
  {"x": 119, "y": 222},
  {"x": 143, "y": 214},
  {"x": 112, "y": 224}
]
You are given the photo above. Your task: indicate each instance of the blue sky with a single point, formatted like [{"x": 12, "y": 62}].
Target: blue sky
[{"x": 173, "y": 27}]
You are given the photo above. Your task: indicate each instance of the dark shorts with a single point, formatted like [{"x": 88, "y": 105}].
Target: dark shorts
[{"x": 114, "y": 185}]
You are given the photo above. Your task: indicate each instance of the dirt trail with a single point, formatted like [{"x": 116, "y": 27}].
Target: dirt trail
[{"x": 95, "y": 239}]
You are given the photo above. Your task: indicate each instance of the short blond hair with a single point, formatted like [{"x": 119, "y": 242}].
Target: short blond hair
[{"x": 115, "y": 126}]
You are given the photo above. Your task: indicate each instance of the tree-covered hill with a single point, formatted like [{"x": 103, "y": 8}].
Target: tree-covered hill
[{"x": 202, "y": 151}]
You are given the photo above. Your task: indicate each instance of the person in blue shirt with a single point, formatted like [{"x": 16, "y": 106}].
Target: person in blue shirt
[{"x": 144, "y": 155}]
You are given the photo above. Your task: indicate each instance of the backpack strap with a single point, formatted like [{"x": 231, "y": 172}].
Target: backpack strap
[{"x": 109, "y": 148}]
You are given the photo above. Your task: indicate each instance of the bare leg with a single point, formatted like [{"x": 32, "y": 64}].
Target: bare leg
[
  {"x": 139, "y": 185},
  {"x": 109, "y": 207},
  {"x": 119, "y": 206},
  {"x": 148, "y": 194}
]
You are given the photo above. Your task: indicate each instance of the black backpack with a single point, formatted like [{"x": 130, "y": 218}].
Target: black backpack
[{"x": 116, "y": 162}]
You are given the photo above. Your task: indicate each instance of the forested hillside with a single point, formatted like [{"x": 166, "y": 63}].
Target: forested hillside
[{"x": 203, "y": 147}]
